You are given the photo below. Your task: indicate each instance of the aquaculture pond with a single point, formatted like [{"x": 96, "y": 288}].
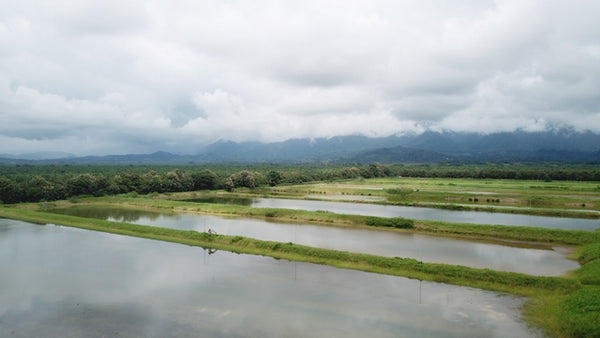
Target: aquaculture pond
[
  {"x": 64, "y": 282},
  {"x": 538, "y": 261},
  {"x": 455, "y": 216}
]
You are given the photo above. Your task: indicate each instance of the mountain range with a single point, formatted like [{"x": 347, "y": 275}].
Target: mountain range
[{"x": 563, "y": 146}]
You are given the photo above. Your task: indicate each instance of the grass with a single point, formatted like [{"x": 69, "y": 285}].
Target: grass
[
  {"x": 589, "y": 252},
  {"x": 516, "y": 233},
  {"x": 580, "y": 311}
]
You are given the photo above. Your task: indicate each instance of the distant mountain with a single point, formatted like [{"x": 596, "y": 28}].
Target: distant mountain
[
  {"x": 47, "y": 155},
  {"x": 401, "y": 154},
  {"x": 159, "y": 157},
  {"x": 430, "y": 147},
  {"x": 295, "y": 150},
  {"x": 556, "y": 146}
]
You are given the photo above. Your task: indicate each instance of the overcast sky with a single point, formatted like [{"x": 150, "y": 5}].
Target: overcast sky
[{"x": 115, "y": 77}]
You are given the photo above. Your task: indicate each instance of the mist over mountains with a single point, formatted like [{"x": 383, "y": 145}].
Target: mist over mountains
[{"x": 563, "y": 146}]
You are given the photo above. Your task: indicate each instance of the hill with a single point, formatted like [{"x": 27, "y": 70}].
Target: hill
[{"x": 561, "y": 146}]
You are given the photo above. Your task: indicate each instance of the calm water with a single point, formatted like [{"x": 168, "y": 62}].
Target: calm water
[
  {"x": 475, "y": 217},
  {"x": 64, "y": 282},
  {"x": 384, "y": 243}
]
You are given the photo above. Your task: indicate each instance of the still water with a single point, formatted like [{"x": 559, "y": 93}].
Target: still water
[
  {"x": 546, "y": 262},
  {"x": 474, "y": 217},
  {"x": 63, "y": 282}
]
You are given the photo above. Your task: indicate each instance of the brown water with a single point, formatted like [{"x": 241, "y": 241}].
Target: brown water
[
  {"x": 64, "y": 282},
  {"x": 425, "y": 248}
]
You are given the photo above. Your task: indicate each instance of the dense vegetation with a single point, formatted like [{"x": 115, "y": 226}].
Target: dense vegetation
[{"x": 29, "y": 183}]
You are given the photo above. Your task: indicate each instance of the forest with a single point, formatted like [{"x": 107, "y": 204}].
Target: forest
[{"x": 33, "y": 183}]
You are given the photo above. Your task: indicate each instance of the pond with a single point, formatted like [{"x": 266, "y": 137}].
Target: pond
[
  {"x": 537, "y": 261},
  {"x": 64, "y": 282},
  {"x": 455, "y": 216}
]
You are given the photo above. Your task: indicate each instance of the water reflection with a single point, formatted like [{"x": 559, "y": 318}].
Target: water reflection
[
  {"x": 473, "y": 217},
  {"x": 425, "y": 248},
  {"x": 60, "y": 282}
]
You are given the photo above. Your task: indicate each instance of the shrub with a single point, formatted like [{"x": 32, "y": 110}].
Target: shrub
[{"x": 395, "y": 222}]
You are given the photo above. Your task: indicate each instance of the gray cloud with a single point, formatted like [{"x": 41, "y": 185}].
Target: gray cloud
[{"x": 107, "y": 77}]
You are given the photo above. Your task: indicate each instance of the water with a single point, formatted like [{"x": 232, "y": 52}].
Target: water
[
  {"x": 65, "y": 282},
  {"x": 474, "y": 217},
  {"x": 536, "y": 261}
]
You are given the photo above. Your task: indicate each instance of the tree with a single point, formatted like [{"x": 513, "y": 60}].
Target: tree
[
  {"x": 228, "y": 184},
  {"x": 127, "y": 182},
  {"x": 153, "y": 182},
  {"x": 83, "y": 184},
  {"x": 244, "y": 178},
  {"x": 274, "y": 178},
  {"x": 38, "y": 188},
  {"x": 177, "y": 180},
  {"x": 9, "y": 191},
  {"x": 205, "y": 180}
]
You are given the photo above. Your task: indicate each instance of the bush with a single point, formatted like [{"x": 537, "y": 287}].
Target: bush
[{"x": 395, "y": 222}]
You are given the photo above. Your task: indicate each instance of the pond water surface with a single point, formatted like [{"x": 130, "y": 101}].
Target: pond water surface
[
  {"x": 456, "y": 216},
  {"x": 64, "y": 282},
  {"x": 534, "y": 261}
]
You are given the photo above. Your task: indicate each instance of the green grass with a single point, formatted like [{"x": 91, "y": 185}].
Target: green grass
[
  {"x": 518, "y": 233},
  {"x": 589, "y": 252},
  {"x": 580, "y": 313},
  {"x": 590, "y": 273}
]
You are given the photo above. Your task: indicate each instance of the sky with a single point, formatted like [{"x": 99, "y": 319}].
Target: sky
[{"x": 118, "y": 77}]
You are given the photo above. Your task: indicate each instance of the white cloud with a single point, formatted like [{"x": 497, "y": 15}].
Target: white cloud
[{"x": 142, "y": 76}]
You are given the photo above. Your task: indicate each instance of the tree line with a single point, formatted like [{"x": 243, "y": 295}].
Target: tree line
[{"x": 33, "y": 184}]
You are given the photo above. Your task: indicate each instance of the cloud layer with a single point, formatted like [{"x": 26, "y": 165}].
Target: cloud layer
[{"x": 98, "y": 77}]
